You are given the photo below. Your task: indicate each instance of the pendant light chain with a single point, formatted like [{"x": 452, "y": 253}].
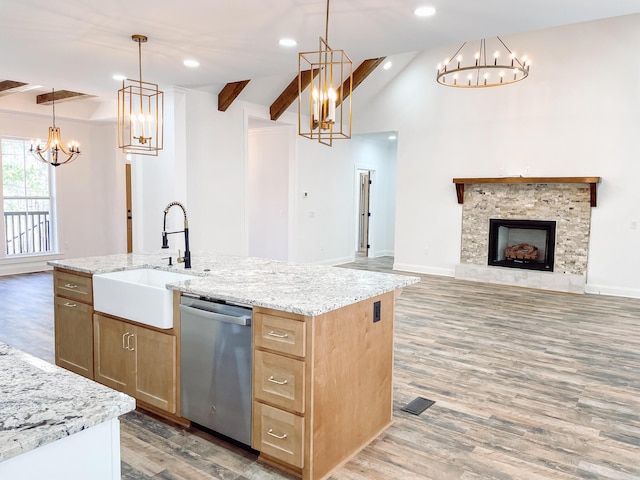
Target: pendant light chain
[
  {"x": 53, "y": 106},
  {"x": 140, "y": 70},
  {"x": 326, "y": 29}
]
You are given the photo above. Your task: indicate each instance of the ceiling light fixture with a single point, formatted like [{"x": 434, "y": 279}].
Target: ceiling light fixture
[
  {"x": 424, "y": 12},
  {"x": 119, "y": 77},
  {"x": 387, "y": 65},
  {"x": 287, "y": 42},
  {"x": 191, "y": 63},
  {"x": 330, "y": 86},
  {"x": 140, "y": 113},
  {"x": 54, "y": 144},
  {"x": 504, "y": 67}
]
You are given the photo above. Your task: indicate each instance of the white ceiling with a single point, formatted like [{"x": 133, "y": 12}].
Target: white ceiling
[{"x": 79, "y": 44}]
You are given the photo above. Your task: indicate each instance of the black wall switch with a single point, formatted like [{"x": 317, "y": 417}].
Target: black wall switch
[{"x": 376, "y": 311}]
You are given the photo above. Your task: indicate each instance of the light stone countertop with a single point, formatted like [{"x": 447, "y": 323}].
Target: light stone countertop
[
  {"x": 41, "y": 403},
  {"x": 290, "y": 287}
]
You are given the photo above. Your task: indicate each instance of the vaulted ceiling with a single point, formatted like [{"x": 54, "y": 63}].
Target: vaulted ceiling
[{"x": 79, "y": 45}]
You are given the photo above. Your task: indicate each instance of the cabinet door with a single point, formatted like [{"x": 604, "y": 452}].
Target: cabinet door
[
  {"x": 155, "y": 368},
  {"x": 112, "y": 353},
  {"x": 73, "y": 331}
]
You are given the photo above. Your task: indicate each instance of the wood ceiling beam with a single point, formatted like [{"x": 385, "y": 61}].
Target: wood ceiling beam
[
  {"x": 229, "y": 93},
  {"x": 60, "y": 96},
  {"x": 7, "y": 85},
  {"x": 289, "y": 94},
  {"x": 360, "y": 74}
]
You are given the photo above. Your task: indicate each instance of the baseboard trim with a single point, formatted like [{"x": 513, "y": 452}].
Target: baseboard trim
[
  {"x": 336, "y": 261},
  {"x": 28, "y": 264},
  {"x": 614, "y": 291},
  {"x": 423, "y": 269}
]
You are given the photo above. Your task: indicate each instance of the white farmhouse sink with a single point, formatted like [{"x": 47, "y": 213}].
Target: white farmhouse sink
[{"x": 139, "y": 295}]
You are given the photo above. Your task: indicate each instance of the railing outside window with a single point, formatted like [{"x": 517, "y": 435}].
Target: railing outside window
[
  {"x": 27, "y": 232},
  {"x": 28, "y": 203}
]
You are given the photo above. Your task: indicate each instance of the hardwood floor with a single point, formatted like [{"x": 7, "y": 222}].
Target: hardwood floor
[{"x": 528, "y": 385}]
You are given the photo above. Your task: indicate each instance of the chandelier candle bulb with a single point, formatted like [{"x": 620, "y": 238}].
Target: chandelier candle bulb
[
  {"x": 316, "y": 106},
  {"x": 331, "y": 114}
]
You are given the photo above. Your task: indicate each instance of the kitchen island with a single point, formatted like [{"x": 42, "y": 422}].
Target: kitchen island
[
  {"x": 55, "y": 424},
  {"x": 322, "y": 356}
]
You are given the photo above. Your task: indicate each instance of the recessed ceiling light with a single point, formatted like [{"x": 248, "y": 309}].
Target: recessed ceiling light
[
  {"x": 392, "y": 137},
  {"x": 287, "y": 42},
  {"x": 387, "y": 65},
  {"x": 119, "y": 77},
  {"x": 191, "y": 63},
  {"x": 424, "y": 12}
]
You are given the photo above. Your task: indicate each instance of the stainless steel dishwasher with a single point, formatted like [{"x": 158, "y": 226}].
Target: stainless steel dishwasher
[{"x": 215, "y": 358}]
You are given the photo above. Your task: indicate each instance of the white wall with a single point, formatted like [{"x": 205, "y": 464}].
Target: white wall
[
  {"x": 576, "y": 115},
  {"x": 325, "y": 217},
  {"x": 91, "y": 208},
  {"x": 268, "y": 192},
  {"x": 216, "y": 175}
]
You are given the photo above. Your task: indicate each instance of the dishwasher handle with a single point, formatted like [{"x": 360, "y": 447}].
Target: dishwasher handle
[{"x": 244, "y": 320}]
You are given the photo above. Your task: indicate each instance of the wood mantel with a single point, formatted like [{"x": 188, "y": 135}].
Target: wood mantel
[{"x": 591, "y": 181}]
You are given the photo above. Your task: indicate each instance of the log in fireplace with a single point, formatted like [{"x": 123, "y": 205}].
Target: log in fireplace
[{"x": 527, "y": 244}]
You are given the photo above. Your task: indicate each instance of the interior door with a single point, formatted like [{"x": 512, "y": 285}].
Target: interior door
[
  {"x": 363, "y": 210},
  {"x": 128, "y": 201}
]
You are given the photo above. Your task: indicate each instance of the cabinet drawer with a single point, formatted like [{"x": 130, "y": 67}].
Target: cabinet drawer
[
  {"x": 76, "y": 287},
  {"x": 279, "y": 381},
  {"x": 280, "y": 334},
  {"x": 278, "y": 434}
]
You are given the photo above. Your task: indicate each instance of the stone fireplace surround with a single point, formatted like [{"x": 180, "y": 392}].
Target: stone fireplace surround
[{"x": 565, "y": 200}]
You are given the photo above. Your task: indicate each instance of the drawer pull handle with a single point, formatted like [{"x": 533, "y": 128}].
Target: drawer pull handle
[
  {"x": 67, "y": 304},
  {"x": 273, "y": 380},
  {"x": 277, "y": 335},
  {"x": 279, "y": 437},
  {"x": 70, "y": 285}
]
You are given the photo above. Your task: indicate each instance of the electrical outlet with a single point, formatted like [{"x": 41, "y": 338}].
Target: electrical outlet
[{"x": 376, "y": 311}]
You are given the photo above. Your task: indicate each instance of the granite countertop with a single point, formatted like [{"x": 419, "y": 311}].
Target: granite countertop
[
  {"x": 286, "y": 286},
  {"x": 41, "y": 403}
]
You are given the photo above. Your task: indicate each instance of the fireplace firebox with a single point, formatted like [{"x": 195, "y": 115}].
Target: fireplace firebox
[{"x": 527, "y": 244}]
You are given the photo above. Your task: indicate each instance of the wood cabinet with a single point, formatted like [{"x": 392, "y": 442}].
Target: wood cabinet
[
  {"x": 73, "y": 325},
  {"x": 127, "y": 357},
  {"x": 136, "y": 360},
  {"x": 322, "y": 385}
]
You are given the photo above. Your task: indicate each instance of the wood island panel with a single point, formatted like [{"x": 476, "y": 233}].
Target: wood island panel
[{"x": 352, "y": 365}]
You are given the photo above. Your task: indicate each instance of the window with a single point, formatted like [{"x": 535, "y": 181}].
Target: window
[{"x": 27, "y": 200}]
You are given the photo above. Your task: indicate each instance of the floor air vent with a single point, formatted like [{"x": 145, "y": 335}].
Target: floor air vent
[{"x": 417, "y": 406}]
